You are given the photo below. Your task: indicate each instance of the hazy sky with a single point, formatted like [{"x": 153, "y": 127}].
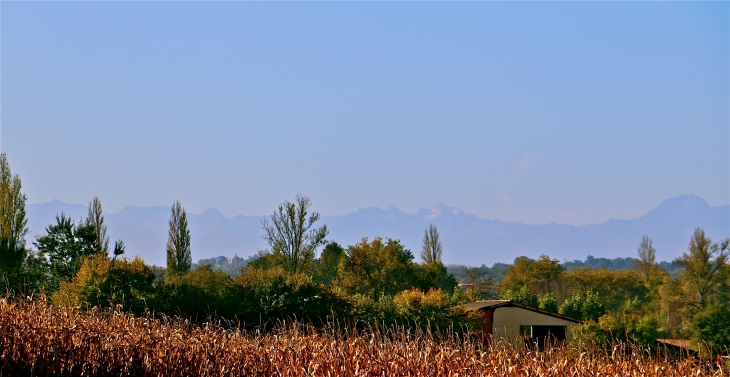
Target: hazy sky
[{"x": 572, "y": 112}]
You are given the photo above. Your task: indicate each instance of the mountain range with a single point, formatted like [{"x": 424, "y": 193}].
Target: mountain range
[{"x": 467, "y": 239}]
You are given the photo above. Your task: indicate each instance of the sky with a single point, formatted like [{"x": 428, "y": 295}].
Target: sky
[{"x": 538, "y": 112}]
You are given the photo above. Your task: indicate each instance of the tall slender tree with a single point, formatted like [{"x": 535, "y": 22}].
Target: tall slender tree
[
  {"x": 96, "y": 221},
  {"x": 291, "y": 237},
  {"x": 705, "y": 276},
  {"x": 179, "y": 257},
  {"x": 12, "y": 218},
  {"x": 432, "y": 249},
  {"x": 647, "y": 266}
]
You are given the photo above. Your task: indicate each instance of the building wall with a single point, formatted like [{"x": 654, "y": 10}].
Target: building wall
[{"x": 506, "y": 321}]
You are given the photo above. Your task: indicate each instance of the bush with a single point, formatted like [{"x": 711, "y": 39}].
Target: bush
[
  {"x": 548, "y": 303},
  {"x": 433, "y": 308},
  {"x": 522, "y": 296},
  {"x": 639, "y": 330},
  {"x": 588, "y": 306},
  {"x": 265, "y": 295},
  {"x": 101, "y": 283},
  {"x": 713, "y": 326}
]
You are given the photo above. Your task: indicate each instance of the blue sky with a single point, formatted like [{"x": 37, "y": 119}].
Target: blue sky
[{"x": 568, "y": 112}]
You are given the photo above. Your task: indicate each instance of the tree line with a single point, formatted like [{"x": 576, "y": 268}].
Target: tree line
[{"x": 304, "y": 275}]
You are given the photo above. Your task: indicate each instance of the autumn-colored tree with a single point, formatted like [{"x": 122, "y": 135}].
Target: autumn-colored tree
[
  {"x": 12, "y": 220},
  {"x": 380, "y": 267},
  {"x": 540, "y": 276}
]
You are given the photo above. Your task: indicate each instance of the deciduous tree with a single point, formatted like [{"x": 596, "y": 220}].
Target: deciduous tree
[
  {"x": 291, "y": 236},
  {"x": 380, "y": 267},
  {"x": 12, "y": 219},
  {"x": 705, "y": 270},
  {"x": 432, "y": 250}
]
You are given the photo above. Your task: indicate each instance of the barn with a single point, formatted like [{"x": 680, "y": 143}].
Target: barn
[{"x": 507, "y": 319}]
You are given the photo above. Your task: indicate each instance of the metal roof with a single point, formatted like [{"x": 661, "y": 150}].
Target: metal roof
[
  {"x": 479, "y": 305},
  {"x": 476, "y": 305}
]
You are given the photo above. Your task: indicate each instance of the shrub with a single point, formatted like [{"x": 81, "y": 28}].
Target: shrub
[
  {"x": 713, "y": 326},
  {"x": 101, "y": 283}
]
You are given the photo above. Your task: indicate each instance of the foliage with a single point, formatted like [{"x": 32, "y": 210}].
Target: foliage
[
  {"x": 380, "y": 267},
  {"x": 434, "y": 275},
  {"x": 612, "y": 328},
  {"x": 99, "y": 283},
  {"x": 290, "y": 235},
  {"x": 431, "y": 309},
  {"x": 608, "y": 263},
  {"x": 540, "y": 276},
  {"x": 95, "y": 220},
  {"x": 326, "y": 270},
  {"x": 12, "y": 219},
  {"x": 480, "y": 285},
  {"x": 713, "y": 326},
  {"x": 197, "y": 294},
  {"x": 267, "y": 295},
  {"x": 495, "y": 273},
  {"x": 647, "y": 266},
  {"x": 523, "y": 296},
  {"x": 431, "y": 250},
  {"x": 587, "y": 306},
  {"x": 179, "y": 257},
  {"x": 614, "y": 287},
  {"x": 548, "y": 303},
  {"x": 705, "y": 270},
  {"x": 67, "y": 245}
]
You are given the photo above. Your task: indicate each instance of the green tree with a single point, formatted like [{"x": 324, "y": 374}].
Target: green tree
[
  {"x": 291, "y": 237},
  {"x": 434, "y": 275},
  {"x": 543, "y": 275},
  {"x": 587, "y": 306},
  {"x": 329, "y": 261},
  {"x": 101, "y": 283},
  {"x": 705, "y": 270},
  {"x": 713, "y": 326},
  {"x": 179, "y": 257},
  {"x": 119, "y": 249},
  {"x": 66, "y": 246},
  {"x": 647, "y": 266},
  {"x": 522, "y": 296},
  {"x": 377, "y": 268},
  {"x": 614, "y": 287},
  {"x": 548, "y": 303},
  {"x": 12, "y": 220},
  {"x": 432, "y": 250},
  {"x": 96, "y": 222}
]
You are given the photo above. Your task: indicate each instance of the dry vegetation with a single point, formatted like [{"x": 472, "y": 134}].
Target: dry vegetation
[{"x": 39, "y": 339}]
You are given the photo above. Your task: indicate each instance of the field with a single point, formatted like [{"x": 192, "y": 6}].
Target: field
[{"x": 39, "y": 339}]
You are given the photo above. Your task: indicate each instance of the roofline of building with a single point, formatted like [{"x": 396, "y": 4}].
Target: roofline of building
[{"x": 510, "y": 303}]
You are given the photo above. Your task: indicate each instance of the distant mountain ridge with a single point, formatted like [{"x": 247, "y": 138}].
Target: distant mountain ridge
[{"x": 467, "y": 239}]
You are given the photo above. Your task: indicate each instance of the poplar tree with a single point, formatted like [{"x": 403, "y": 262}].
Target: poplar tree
[
  {"x": 432, "y": 250},
  {"x": 96, "y": 221},
  {"x": 12, "y": 219},
  {"x": 179, "y": 257},
  {"x": 647, "y": 265}
]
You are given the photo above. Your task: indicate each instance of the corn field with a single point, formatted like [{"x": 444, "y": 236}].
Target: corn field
[{"x": 37, "y": 339}]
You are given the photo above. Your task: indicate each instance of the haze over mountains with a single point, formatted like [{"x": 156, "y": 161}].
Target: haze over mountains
[{"x": 467, "y": 239}]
